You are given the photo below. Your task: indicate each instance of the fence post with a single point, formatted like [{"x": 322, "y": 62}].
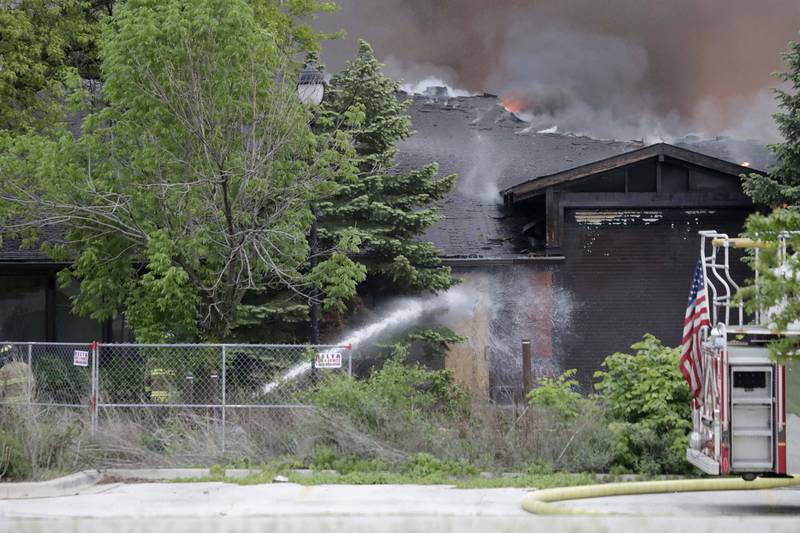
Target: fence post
[
  {"x": 188, "y": 388},
  {"x": 224, "y": 399},
  {"x": 350, "y": 360},
  {"x": 527, "y": 379},
  {"x": 31, "y": 390},
  {"x": 94, "y": 379}
]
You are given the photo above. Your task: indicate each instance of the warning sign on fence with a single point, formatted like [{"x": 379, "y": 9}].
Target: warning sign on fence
[
  {"x": 329, "y": 359},
  {"x": 80, "y": 358}
]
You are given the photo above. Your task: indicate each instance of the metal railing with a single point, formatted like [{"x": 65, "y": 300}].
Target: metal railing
[
  {"x": 715, "y": 257},
  {"x": 211, "y": 379}
]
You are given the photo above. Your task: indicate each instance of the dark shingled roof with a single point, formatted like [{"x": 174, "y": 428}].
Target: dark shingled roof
[
  {"x": 491, "y": 150},
  {"x": 11, "y": 250}
]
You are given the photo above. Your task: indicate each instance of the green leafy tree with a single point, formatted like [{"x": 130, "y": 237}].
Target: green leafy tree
[
  {"x": 45, "y": 46},
  {"x": 388, "y": 209},
  {"x": 189, "y": 189},
  {"x": 778, "y": 292}
]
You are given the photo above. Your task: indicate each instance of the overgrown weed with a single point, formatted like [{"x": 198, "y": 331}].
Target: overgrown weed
[{"x": 402, "y": 422}]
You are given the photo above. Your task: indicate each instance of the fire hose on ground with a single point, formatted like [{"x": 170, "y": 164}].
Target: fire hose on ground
[{"x": 540, "y": 501}]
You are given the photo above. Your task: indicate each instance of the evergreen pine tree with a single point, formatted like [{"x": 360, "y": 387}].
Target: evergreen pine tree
[
  {"x": 388, "y": 209},
  {"x": 778, "y": 291},
  {"x": 781, "y": 188}
]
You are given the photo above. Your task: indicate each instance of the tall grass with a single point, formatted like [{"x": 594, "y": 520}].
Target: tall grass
[
  {"x": 491, "y": 437},
  {"x": 52, "y": 438}
]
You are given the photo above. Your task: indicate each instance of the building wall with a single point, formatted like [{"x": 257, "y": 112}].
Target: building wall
[
  {"x": 628, "y": 273},
  {"x": 512, "y": 303},
  {"x": 469, "y": 360}
]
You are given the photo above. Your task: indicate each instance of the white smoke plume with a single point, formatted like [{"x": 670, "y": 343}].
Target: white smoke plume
[{"x": 628, "y": 69}]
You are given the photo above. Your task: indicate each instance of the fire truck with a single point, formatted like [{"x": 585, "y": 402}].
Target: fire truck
[{"x": 746, "y": 420}]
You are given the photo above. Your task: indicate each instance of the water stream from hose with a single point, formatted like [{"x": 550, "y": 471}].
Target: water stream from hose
[{"x": 403, "y": 313}]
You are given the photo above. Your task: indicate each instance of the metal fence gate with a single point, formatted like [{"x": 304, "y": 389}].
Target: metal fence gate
[{"x": 211, "y": 380}]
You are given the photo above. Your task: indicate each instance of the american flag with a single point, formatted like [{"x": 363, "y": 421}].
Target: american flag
[{"x": 696, "y": 317}]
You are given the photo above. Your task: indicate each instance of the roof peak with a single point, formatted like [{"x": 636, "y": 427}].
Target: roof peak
[{"x": 662, "y": 149}]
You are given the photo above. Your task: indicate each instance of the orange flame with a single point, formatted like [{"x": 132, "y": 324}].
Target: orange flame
[{"x": 514, "y": 102}]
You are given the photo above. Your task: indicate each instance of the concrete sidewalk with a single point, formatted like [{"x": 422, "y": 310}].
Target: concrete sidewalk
[
  {"x": 151, "y": 500},
  {"x": 221, "y": 507}
]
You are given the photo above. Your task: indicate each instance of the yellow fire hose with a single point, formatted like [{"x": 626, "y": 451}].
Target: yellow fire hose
[{"x": 539, "y": 502}]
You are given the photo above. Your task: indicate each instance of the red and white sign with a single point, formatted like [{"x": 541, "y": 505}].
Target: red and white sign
[
  {"x": 80, "y": 358},
  {"x": 329, "y": 359}
]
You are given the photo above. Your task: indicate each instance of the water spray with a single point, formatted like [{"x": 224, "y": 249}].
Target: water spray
[{"x": 405, "y": 312}]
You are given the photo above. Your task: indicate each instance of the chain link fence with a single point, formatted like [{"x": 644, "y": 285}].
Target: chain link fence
[
  {"x": 48, "y": 374},
  {"x": 218, "y": 385}
]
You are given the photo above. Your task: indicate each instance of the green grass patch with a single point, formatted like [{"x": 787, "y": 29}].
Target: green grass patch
[
  {"x": 421, "y": 469},
  {"x": 539, "y": 481}
]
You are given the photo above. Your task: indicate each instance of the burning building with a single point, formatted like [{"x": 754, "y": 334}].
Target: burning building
[{"x": 577, "y": 244}]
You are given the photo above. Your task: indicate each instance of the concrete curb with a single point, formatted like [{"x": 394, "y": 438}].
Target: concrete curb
[
  {"x": 171, "y": 474},
  {"x": 156, "y": 474},
  {"x": 80, "y": 482},
  {"x": 63, "y": 486}
]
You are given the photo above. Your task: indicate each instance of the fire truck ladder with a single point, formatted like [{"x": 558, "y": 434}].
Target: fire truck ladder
[
  {"x": 722, "y": 288},
  {"x": 739, "y": 423}
]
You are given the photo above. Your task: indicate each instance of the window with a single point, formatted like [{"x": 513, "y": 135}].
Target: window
[{"x": 23, "y": 308}]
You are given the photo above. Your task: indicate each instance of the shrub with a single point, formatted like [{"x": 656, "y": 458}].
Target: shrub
[
  {"x": 419, "y": 465},
  {"x": 397, "y": 391},
  {"x": 648, "y": 401},
  {"x": 591, "y": 441},
  {"x": 325, "y": 458},
  {"x": 558, "y": 394},
  {"x": 426, "y": 415},
  {"x": 14, "y": 464},
  {"x": 426, "y": 465},
  {"x": 403, "y": 406},
  {"x": 637, "y": 422}
]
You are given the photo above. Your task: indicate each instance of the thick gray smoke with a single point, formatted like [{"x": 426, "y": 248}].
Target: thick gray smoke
[{"x": 621, "y": 68}]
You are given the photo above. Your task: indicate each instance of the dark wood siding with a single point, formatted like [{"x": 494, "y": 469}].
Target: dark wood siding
[
  {"x": 627, "y": 272},
  {"x": 33, "y": 307}
]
